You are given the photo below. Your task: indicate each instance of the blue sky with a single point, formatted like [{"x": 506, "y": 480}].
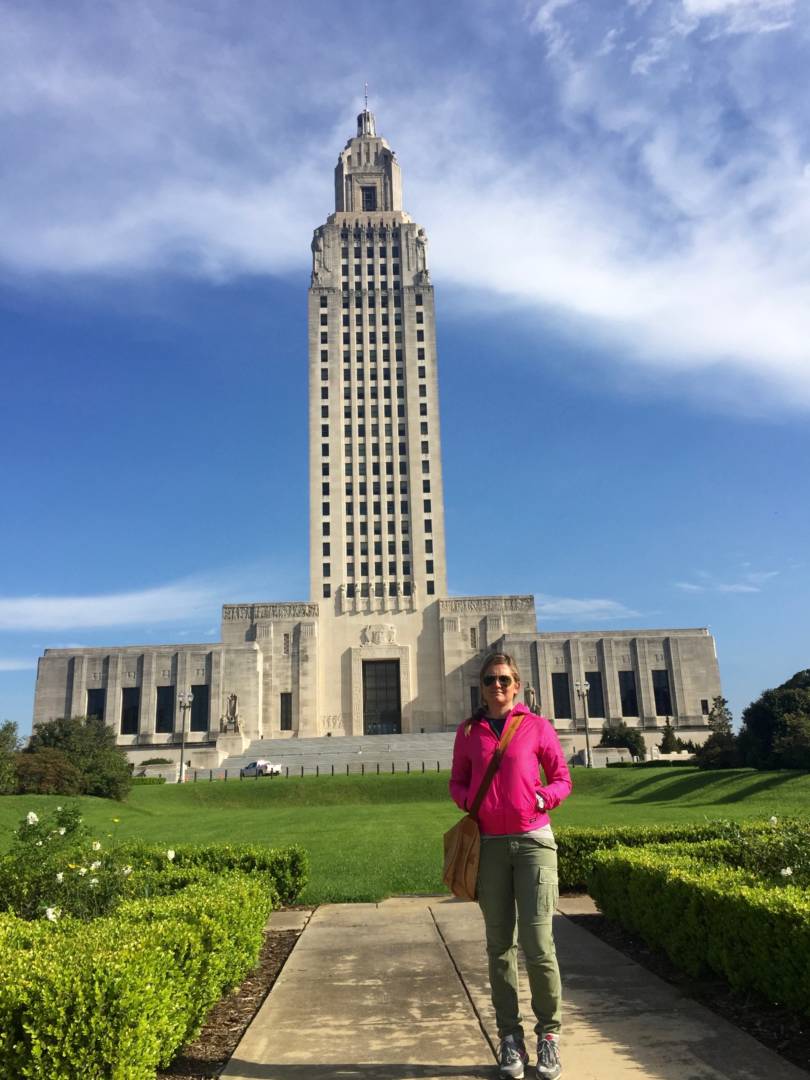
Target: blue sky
[{"x": 617, "y": 196}]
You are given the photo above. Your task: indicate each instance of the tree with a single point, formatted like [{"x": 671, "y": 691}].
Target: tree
[
  {"x": 775, "y": 731},
  {"x": 88, "y": 744},
  {"x": 47, "y": 772},
  {"x": 620, "y": 735},
  {"x": 720, "y": 717},
  {"x": 8, "y": 746},
  {"x": 669, "y": 740}
]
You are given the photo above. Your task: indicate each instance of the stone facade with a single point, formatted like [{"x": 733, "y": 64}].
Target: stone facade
[{"x": 379, "y": 647}]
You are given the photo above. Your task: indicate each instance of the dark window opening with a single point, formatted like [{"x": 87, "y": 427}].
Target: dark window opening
[
  {"x": 164, "y": 710},
  {"x": 663, "y": 698},
  {"x": 286, "y": 712},
  {"x": 561, "y": 692},
  {"x": 130, "y": 707},
  {"x": 628, "y": 693},
  {"x": 199, "y": 707}
]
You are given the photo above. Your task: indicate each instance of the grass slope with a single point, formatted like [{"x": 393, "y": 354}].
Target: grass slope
[{"x": 371, "y": 837}]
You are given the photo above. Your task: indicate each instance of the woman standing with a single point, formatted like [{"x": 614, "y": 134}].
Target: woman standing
[{"x": 517, "y": 876}]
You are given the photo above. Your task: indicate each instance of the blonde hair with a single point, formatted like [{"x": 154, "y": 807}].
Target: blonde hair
[{"x": 497, "y": 658}]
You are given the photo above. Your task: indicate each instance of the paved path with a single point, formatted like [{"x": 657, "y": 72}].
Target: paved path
[{"x": 398, "y": 991}]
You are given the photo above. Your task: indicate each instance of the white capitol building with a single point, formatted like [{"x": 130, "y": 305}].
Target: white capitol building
[{"x": 379, "y": 647}]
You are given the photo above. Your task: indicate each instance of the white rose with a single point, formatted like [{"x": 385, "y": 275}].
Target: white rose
[
  {"x": 126, "y": 871},
  {"x": 95, "y": 865},
  {"x": 82, "y": 871},
  {"x": 170, "y": 855},
  {"x": 62, "y": 831},
  {"x": 96, "y": 846},
  {"x": 93, "y": 882},
  {"x": 787, "y": 872},
  {"x": 60, "y": 877},
  {"x": 51, "y": 914},
  {"x": 31, "y": 818}
]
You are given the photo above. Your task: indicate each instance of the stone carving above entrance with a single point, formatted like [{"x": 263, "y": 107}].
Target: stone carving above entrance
[
  {"x": 378, "y": 634},
  {"x": 244, "y": 612},
  {"x": 477, "y": 604}
]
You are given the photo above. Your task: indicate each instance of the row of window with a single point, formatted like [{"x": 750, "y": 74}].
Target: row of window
[
  {"x": 628, "y": 693},
  {"x": 357, "y": 251},
  {"x": 165, "y": 711},
  {"x": 371, "y": 300}
]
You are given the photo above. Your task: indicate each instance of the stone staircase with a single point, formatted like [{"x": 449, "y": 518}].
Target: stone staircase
[{"x": 357, "y": 752}]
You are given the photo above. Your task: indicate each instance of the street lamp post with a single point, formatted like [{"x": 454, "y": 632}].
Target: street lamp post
[
  {"x": 582, "y": 693},
  {"x": 185, "y": 699}
]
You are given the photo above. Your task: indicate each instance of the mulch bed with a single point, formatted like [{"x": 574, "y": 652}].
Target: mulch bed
[
  {"x": 781, "y": 1030},
  {"x": 785, "y": 1032},
  {"x": 224, "y": 1026}
]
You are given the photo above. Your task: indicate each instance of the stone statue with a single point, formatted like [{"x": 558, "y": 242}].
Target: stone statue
[
  {"x": 230, "y": 721},
  {"x": 421, "y": 250},
  {"x": 319, "y": 264},
  {"x": 530, "y": 698}
]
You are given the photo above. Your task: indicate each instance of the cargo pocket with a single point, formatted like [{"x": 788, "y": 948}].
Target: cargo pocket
[{"x": 548, "y": 890}]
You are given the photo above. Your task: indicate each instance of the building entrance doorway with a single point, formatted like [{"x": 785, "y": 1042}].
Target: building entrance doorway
[{"x": 382, "y": 712}]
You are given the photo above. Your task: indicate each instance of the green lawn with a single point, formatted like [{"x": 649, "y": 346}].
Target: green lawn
[{"x": 371, "y": 837}]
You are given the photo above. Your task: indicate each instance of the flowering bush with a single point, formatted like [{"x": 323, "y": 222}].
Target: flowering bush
[{"x": 55, "y": 867}]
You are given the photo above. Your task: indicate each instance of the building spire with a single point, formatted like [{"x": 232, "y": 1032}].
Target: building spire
[{"x": 365, "y": 121}]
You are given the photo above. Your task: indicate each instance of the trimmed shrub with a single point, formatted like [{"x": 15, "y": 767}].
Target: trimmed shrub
[
  {"x": 48, "y": 772},
  {"x": 576, "y": 847},
  {"x": 286, "y": 868},
  {"x": 118, "y": 996},
  {"x": 146, "y": 781},
  {"x": 90, "y": 746},
  {"x": 711, "y": 917}
]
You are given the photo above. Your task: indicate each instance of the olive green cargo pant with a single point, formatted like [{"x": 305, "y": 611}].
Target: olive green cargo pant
[{"x": 518, "y": 891}]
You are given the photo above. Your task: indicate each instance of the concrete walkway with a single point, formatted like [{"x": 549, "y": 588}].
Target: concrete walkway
[{"x": 398, "y": 991}]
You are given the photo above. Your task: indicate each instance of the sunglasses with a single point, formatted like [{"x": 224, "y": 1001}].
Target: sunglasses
[{"x": 501, "y": 680}]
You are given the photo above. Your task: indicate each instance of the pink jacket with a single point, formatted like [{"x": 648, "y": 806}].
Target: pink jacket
[{"x": 510, "y": 805}]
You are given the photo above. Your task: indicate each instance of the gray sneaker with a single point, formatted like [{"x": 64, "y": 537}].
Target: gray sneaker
[
  {"x": 512, "y": 1058},
  {"x": 548, "y": 1058}
]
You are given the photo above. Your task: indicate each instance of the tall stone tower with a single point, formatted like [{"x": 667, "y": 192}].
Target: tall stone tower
[
  {"x": 379, "y": 647},
  {"x": 376, "y": 502},
  {"x": 377, "y": 553}
]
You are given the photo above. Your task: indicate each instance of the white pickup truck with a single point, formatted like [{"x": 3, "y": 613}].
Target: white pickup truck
[{"x": 261, "y": 767}]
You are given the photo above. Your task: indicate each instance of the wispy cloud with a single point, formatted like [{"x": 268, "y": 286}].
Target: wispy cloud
[
  {"x": 646, "y": 185},
  {"x": 595, "y": 609},
  {"x": 748, "y": 582},
  {"x": 12, "y": 664},
  {"x": 166, "y": 603}
]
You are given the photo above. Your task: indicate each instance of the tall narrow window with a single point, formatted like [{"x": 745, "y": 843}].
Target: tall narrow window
[
  {"x": 95, "y": 702},
  {"x": 561, "y": 692},
  {"x": 286, "y": 712},
  {"x": 628, "y": 693},
  {"x": 369, "y": 198},
  {"x": 130, "y": 707},
  {"x": 199, "y": 707},
  {"x": 473, "y": 637},
  {"x": 596, "y": 697},
  {"x": 663, "y": 698},
  {"x": 164, "y": 710}
]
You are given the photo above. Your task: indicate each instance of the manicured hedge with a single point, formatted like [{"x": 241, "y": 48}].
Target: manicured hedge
[
  {"x": 576, "y": 847},
  {"x": 726, "y": 919},
  {"x": 115, "y": 998},
  {"x": 286, "y": 868}
]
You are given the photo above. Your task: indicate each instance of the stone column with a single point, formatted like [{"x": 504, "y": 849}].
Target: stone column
[
  {"x": 112, "y": 705},
  {"x": 610, "y": 677},
  {"x": 305, "y": 679},
  {"x": 78, "y": 695},
  {"x": 146, "y": 718},
  {"x": 545, "y": 695},
  {"x": 672, "y": 655},
  {"x": 646, "y": 698}
]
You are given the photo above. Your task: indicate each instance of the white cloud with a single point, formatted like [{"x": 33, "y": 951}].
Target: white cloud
[
  {"x": 166, "y": 603},
  {"x": 565, "y": 607},
  {"x": 744, "y": 16},
  {"x": 650, "y": 193},
  {"x": 748, "y": 582},
  {"x": 11, "y": 664}
]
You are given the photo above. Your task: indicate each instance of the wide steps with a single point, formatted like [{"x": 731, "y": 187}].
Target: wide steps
[{"x": 354, "y": 751}]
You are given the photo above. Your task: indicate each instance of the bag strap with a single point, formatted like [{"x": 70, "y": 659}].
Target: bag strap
[{"x": 495, "y": 761}]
